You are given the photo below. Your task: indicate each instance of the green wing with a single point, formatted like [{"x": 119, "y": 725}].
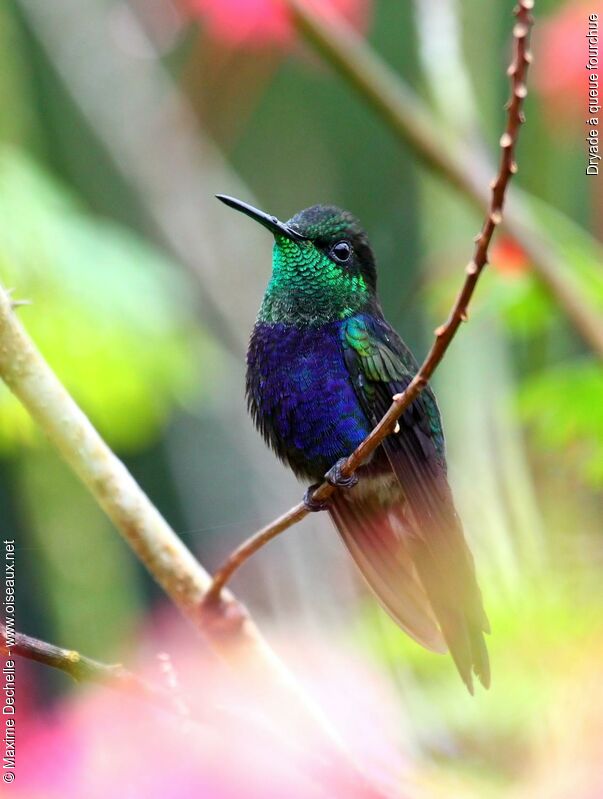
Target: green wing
[{"x": 380, "y": 366}]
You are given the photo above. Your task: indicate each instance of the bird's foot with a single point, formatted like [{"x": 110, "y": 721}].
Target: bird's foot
[
  {"x": 313, "y": 505},
  {"x": 336, "y": 478}
]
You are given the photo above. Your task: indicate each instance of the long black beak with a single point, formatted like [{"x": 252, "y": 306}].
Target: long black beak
[{"x": 271, "y": 222}]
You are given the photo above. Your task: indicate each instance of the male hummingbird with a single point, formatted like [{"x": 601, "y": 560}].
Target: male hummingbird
[{"x": 322, "y": 367}]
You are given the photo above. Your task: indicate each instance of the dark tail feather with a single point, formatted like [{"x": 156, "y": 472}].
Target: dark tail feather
[
  {"x": 457, "y": 608},
  {"x": 440, "y": 553},
  {"x": 381, "y": 553},
  {"x": 426, "y": 582}
]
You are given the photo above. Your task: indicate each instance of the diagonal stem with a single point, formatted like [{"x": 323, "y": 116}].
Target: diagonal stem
[
  {"x": 244, "y": 551},
  {"x": 443, "y": 334},
  {"x": 85, "y": 669}
]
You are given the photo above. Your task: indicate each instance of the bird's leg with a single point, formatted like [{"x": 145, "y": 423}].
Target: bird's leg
[
  {"x": 335, "y": 477},
  {"x": 314, "y": 505}
]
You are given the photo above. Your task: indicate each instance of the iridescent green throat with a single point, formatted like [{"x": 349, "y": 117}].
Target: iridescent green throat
[{"x": 307, "y": 287}]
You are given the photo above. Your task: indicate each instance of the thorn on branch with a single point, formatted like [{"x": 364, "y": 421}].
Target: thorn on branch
[{"x": 14, "y": 304}]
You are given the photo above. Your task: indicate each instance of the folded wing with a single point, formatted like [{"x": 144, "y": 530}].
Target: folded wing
[{"x": 413, "y": 552}]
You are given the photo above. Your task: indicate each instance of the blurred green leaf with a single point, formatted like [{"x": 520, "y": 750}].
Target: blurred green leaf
[
  {"x": 564, "y": 408},
  {"x": 523, "y": 302},
  {"x": 15, "y": 120},
  {"x": 113, "y": 317},
  {"x": 582, "y": 253}
]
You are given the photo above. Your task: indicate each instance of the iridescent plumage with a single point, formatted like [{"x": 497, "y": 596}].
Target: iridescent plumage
[{"x": 322, "y": 367}]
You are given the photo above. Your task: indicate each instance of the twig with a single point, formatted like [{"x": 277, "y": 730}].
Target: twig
[
  {"x": 411, "y": 121},
  {"x": 85, "y": 669},
  {"x": 443, "y": 334},
  {"x": 250, "y": 546}
]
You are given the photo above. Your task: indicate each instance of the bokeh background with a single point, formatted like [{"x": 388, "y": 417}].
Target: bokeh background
[{"x": 119, "y": 121}]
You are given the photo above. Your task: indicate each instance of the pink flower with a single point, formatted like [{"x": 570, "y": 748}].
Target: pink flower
[
  {"x": 258, "y": 23},
  {"x": 244, "y": 742},
  {"x": 561, "y": 51}
]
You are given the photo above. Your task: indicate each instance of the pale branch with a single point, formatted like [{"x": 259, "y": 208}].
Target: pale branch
[
  {"x": 83, "y": 669},
  {"x": 412, "y": 122},
  {"x": 443, "y": 334},
  {"x": 232, "y": 635},
  {"x": 29, "y": 377}
]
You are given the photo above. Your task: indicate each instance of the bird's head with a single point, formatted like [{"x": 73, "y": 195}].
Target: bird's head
[{"x": 323, "y": 268}]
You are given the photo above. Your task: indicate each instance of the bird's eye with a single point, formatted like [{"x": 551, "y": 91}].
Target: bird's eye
[{"x": 341, "y": 252}]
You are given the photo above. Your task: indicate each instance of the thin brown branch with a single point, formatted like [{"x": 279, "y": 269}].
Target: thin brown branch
[
  {"x": 443, "y": 334},
  {"x": 248, "y": 548},
  {"x": 84, "y": 669},
  {"x": 412, "y": 122}
]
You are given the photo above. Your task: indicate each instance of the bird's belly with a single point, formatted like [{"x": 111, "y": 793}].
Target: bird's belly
[
  {"x": 378, "y": 483},
  {"x": 302, "y": 398}
]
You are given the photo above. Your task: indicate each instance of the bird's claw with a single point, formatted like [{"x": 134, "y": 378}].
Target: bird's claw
[
  {"x": 335, "y": 477},
  {"x": 313, "y": 505}
]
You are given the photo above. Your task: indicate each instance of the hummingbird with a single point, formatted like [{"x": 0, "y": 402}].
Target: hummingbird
[{"x": 322, "y": 367}]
